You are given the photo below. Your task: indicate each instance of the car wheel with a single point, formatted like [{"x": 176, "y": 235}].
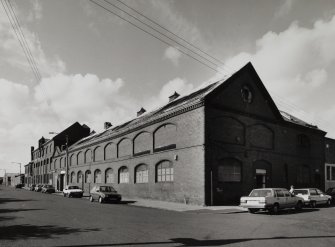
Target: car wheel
[
  {"x": 64, "y": 194},
  {"x": 252, "y": 210},
  {"x": 91, "y": 199},
  {"x": 329, "y": 203},
  {"x": 298, "y": 206},
  {"x": 100, "y": 200},
  {"x": 275, "y": 209},
  {"x": 69, "y": 195},
  {"x": 313, "y": 204}
]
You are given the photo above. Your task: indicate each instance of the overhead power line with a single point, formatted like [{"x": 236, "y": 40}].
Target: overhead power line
[
  {"x": 15, "y": 23},
  {"x": 198, "y": 59}
]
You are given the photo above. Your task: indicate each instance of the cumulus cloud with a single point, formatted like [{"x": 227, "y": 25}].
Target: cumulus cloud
[
  {"x": 172, "y": 54},
  {"x": 296, "y": 64},
  {"x": 11, "y": 52}
]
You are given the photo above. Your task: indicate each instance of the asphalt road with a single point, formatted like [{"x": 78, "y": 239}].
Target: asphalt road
[{"x": 35, "y": 219}]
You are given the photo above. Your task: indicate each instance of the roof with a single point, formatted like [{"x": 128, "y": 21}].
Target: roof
[{"x": 176, "y": 105}]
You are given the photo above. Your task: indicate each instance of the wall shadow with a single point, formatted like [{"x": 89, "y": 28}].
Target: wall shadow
[
  {"x": 6, "y": 200},
  {"x": 17, "y": 232},
  {"x": 196, "y": 242}
]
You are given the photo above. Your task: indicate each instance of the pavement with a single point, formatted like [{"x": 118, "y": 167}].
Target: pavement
[{"x": 175, "y": 206}]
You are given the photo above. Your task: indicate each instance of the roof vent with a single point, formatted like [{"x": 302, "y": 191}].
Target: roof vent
[
  {"x": 141, "y": 111},
  {"x": 107, "y": 125},
  {"x": 173, "y": 96}
]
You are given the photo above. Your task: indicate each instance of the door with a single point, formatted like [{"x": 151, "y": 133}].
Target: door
[{"x": 260, "y": 178}]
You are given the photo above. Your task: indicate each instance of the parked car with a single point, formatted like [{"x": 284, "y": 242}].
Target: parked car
[
  {"x": 32, "y": 187},
  {"x": 18, "y": 186},
  {"x": 48, "y": 189},
  {"x": 104, "y": 193},
  {"x": 331, "y": 192},
  {"x": 271, "y": 199},
  {"x": 38, "y": 187},
  {"x": 72, "y": 191},
  {"x": 313, "y": 197}
]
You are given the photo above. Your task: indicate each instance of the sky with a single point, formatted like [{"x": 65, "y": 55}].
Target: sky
[{"x": 96, "y": 67}]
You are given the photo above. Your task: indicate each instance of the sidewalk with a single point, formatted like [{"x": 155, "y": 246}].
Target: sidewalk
[{"x": 174, "y": 206}]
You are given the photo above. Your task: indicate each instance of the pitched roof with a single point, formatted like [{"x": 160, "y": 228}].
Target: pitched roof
[{"x": 171, "y": 107}]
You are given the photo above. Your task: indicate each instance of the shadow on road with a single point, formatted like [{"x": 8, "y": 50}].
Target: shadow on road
[
  {"x": 290, "y": 211},
  {"x": 6, "y": 200},
  {"x": 196, "y": 242},
  {"x": 3, "y": 218},
  {"x": 15, "y": 210},
  {"x": 17, "y": 232}
]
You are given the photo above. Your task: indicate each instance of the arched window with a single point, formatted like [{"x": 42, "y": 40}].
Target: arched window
[
  {"x": 73, "y": 160},
  {"x": 88, "y": 176},
  {"x": 79, "y": 177},
  {"x": 164, "y": 171},
  {"x": 55, "y": 163},
  {"x": 110, "y": 151},
  {"x": 141, "y": 174},
  {"x": 97, "y": 176},
  {"x": 123, "y": 175},
  {"x": 109, "y": 176},
  {"x": 98, "y": 154},
  {"x": 124, "y": 148},
  {"x": 261, "y": 136},
  {"x": 72, "y": 179},
  {"x": 165, "y": 137},
  {"x": 229, "y": 170},
  {"x": 88, "y": 156},
  {"x": 228, "y": 130},
  {"x": 142, "y": 143},
  {"x": 80, "y": 158}
]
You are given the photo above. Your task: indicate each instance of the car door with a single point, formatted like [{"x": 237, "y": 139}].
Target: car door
[
  {"x": 314, "y": 196},
  {"x": 323, "y": 198},
  {"x": 281, "y": 199},
  {"x": 290, "y": 200}
]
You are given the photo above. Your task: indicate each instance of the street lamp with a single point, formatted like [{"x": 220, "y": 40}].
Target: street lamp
[
  {"x": 67, "y": 157},
  {"x": 18, "y": 164}
]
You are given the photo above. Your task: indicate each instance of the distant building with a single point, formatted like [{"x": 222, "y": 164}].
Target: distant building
[
  {"x": 39, "y": 170},
  {"x": 330, "y": 163},
  {"x": 209, "y": 148}
]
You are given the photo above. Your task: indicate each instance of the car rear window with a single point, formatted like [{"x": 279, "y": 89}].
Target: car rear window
[
  {"x": 302, "y": 192},
  {"x": 261, "y": 193},
  {"x": 107, "y": 189},
  {"x": 73, "y": 187}
]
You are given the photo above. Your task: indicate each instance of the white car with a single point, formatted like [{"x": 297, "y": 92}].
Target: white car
[
  {"x": 271, "y": 199},
  {"x": 313, "y": 197},
  {"x": 72, "y": 191}
]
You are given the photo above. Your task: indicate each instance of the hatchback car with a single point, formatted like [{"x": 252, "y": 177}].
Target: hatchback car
[
  {"x": 48, "y": 189},
  {"x": 73, "y": 191},
  {"x": 313, "y": 197},
  {"x": 38, "y": 187},
  {"x": 331, "y": 192},
  {"x": 271, "y": 199},
  {"x": 104, "y": 193}
]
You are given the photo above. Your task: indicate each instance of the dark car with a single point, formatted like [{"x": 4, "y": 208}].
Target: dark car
[
  {"x": 32, "y": 187},
  {"x": 331, "y": 192},
  {"x": 18, "y": 186},
  {"x": 48, "y": 189},
  {"x": 104, "y": 193}
]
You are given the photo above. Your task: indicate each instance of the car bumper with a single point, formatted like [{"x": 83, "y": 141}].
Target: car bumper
[
  {"x": 76, "y": 194},
  {"x": 259, "y": 206},
  {"x": 112, "y": 199}
]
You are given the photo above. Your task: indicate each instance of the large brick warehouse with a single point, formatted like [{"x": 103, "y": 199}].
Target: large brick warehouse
[{"x": 207, "y": 148}]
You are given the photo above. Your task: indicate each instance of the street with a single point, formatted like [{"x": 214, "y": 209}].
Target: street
[{"x": 35, "y": 219}]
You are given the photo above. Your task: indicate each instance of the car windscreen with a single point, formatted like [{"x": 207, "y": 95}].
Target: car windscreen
[
  {"x": 302, "y": 192},
  {"x": 73, "y": 187},
  {"x": 260, "y": 193},
  {"x": 106, "y": 189}
]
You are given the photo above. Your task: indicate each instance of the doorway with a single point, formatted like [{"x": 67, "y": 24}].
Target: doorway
[{"x": 260, "y": 178}]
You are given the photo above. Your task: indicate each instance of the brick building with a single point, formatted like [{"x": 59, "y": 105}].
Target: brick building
[
  {"x": 330, "y": 163},
  {"x": 209, "y": 147}
]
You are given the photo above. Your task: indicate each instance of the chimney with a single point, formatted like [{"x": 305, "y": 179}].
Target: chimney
[
  {"x": 173, "y": 96},
  {"x": 31, "y": 152},
  {"x": 141, "y": 111},
  {"x": 107, "y": 125}
]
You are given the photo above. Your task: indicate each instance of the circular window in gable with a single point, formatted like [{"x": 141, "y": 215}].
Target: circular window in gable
[{"x": 246, "y": 94}]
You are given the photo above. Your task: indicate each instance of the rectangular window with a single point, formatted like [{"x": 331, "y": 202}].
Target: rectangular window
[
  {"x": 328, "y": 173},
  {"x": 165, "y": 174}
]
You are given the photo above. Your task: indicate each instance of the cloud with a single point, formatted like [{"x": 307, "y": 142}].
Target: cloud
[
  {"x": 297, "y": 65},
  {"x": 12, "y": 53},
  {"x": 172, "y": 54},
  {"x": 36, "y": 11},
  {"x": 284, "y": 8}
]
